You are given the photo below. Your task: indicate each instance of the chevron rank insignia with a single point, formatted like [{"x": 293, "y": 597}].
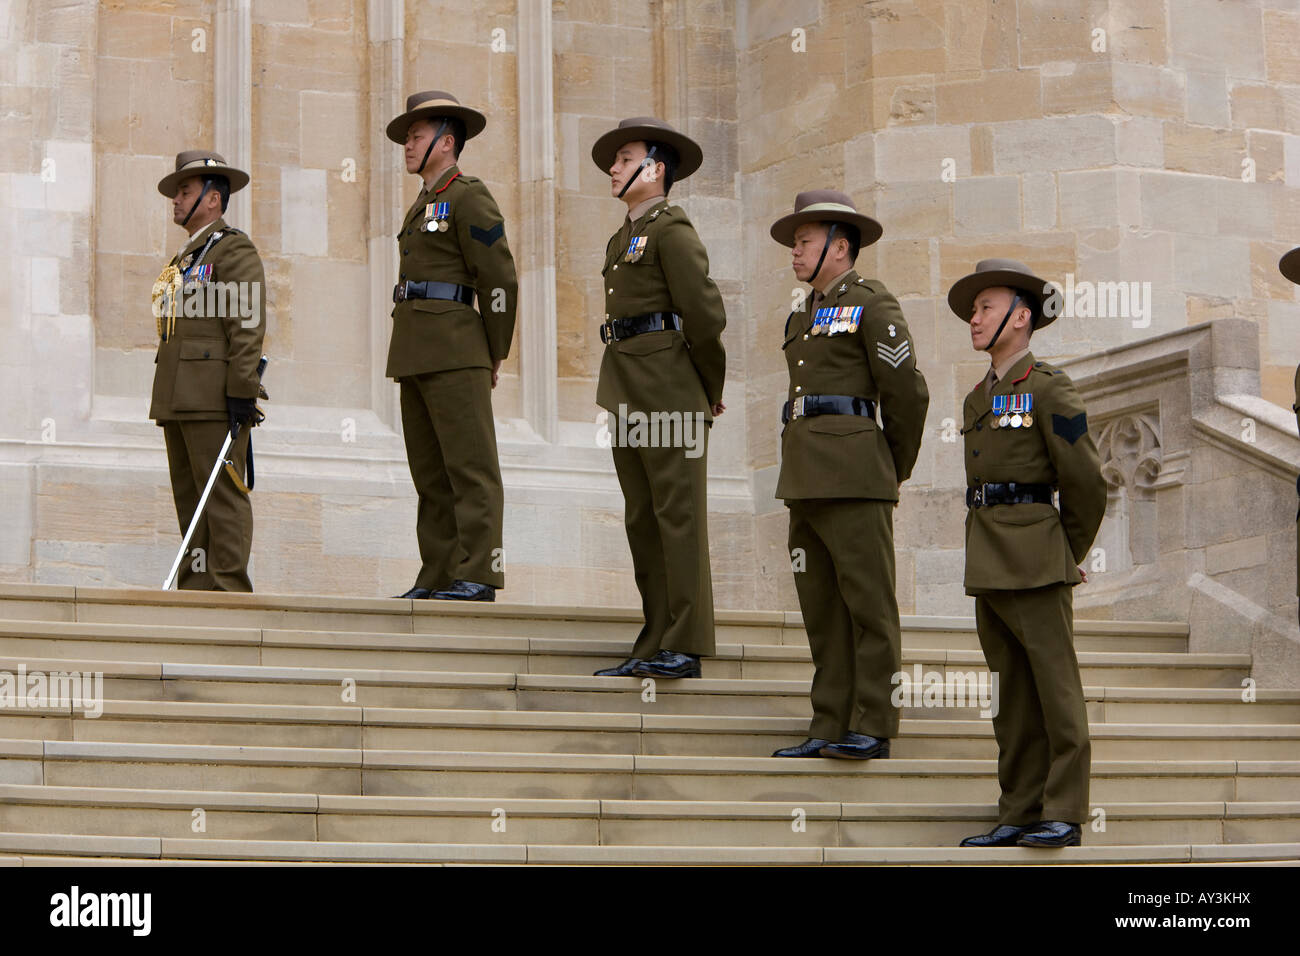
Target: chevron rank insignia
[
  {"x": 1071, "y": 429},
  {"x": 893, "y": 356},
  {"x": 487, "y": 236}
]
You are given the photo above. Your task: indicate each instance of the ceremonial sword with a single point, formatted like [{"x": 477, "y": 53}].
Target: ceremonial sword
[{"x": 207, "y": 490}]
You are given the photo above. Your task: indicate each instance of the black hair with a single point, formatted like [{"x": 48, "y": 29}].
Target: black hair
[
  {"x": 456, "y": 127},
  {"x": 1035, "y": 306},
  {"x": 668, "y": 156},
  {"x": 854, "y": 236},
  {"x": 221, "y": 186}
]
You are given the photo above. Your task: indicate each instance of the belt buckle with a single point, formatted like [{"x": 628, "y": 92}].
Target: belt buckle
[
  {"x": 399, "y": 292},
  {"x": 796, "y": 409},
  {"x": 613, "y": 330},
  {"x": 978, "y": 498}
]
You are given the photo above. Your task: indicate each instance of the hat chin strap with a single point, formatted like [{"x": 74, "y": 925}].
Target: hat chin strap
[
  {"x": 207, "y": 184},
  {"x": 1015, "y": 300},
  {"x": 830, "y": 234},
  {"x": 642, "y": 165},
  {"x": 436, "y": 136}
]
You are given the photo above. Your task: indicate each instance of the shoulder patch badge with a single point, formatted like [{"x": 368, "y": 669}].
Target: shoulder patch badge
[
  {"x": 1071, "y": 429},
  {"x": 487, "y": 236}
]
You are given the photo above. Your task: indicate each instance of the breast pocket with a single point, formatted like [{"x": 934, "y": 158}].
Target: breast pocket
[
  {"x": 969, "y": 420},
  {"x": 200, "y": 376}
]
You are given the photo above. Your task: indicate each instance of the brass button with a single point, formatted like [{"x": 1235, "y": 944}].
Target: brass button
[
  {"x": 798, "y": 388},
  {"x": 805, "y": 336},
  {"x": 615, "y": 265},
  {"x": 611, "y": 291},
  {"x": 801, "y": 361}
]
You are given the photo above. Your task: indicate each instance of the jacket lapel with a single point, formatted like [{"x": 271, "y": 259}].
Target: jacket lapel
[
  {"x": 426, "y": 196},
  {"x": 198, "y": 239},
  {"x": 1008, "y": 383}
]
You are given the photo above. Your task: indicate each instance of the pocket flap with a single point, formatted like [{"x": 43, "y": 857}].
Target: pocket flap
[
  {"x": 648, "y": 342},
  {"x": 198, "y": 349},
  {"x": 1024, "y": 514},
  {"x": 840, "y": 424},
  {"x": 436, "y": 305}
]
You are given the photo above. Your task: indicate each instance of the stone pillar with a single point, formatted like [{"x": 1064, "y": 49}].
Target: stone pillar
[
  {"x": 233, "y": 96},
  {"x": 535, "y": 257},
  {"x": 386, "y": 24}
]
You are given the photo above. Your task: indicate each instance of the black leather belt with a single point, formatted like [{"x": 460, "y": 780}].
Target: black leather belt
[
  {"x": 805, "y": 406},
  {"x": 433, "y": 290},
  {"x": 1009, "y": 493},
  {"x": 614, "y": 330}
]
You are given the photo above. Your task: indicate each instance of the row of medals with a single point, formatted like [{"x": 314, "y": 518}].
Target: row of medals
[
  {"x": 834, "y": 328},
  {"x": 433, "y": 222},
  {"x": 1014, "y": 419}
]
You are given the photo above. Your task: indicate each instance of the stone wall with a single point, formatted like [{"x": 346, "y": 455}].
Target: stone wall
[{"x": 1157, "y": 150}]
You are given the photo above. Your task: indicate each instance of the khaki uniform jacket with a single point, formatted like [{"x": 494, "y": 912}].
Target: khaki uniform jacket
[
  {"x": 850, "y": 456},
  {"x": 1012, "y": 547},
  {"x": 212, "y": 356},
  {"x": 435, "y": 335},
  {"x": 1296, "y": 408},
  {"x": 665, "y": 370}
]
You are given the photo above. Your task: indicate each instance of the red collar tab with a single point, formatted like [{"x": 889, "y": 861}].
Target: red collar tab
[
  {"x": 1025, "y": 376},
  {"x": 447, "y": 183}
]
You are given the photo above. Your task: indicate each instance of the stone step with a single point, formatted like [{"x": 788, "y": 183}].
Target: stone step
[
  {"x": 319, "y": 686},
  {"x": 234, "y": 815},
  {"x": 289, "y": 725},
  {"x": 288, "y": 648},
  {"x": 606, "y": 776},
  {"x": 46, "y": 849},
  {"x": 133, "y": 607}
]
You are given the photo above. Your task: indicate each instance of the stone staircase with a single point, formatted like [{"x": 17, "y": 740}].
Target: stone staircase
[{"x": 273, "y": 728}]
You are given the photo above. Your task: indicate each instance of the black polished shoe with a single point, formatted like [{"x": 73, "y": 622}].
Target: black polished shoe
[
  {"x": 466, "y": 591},
  {"x": 1052, "y": 833},
  {"x": 415, "y": 594},
  {"x": 626, "y": 669},
  {"x": 1004, "y": 834},
  {"x": 809, "y": 748},
  {"x": 857, "y": 747},
  {"x": 669, "y": 664}
]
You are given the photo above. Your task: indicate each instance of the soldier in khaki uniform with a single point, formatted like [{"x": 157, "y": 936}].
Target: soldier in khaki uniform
[
  {"x": 664, "y": 362},
  {"x": 447, "y": 354},
  {"x": 1026, "y": 433},
  {"x": 1290, "y": 267},
  {"x": 211, "y": 312},
  {"x": 847, "y": 351}
]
